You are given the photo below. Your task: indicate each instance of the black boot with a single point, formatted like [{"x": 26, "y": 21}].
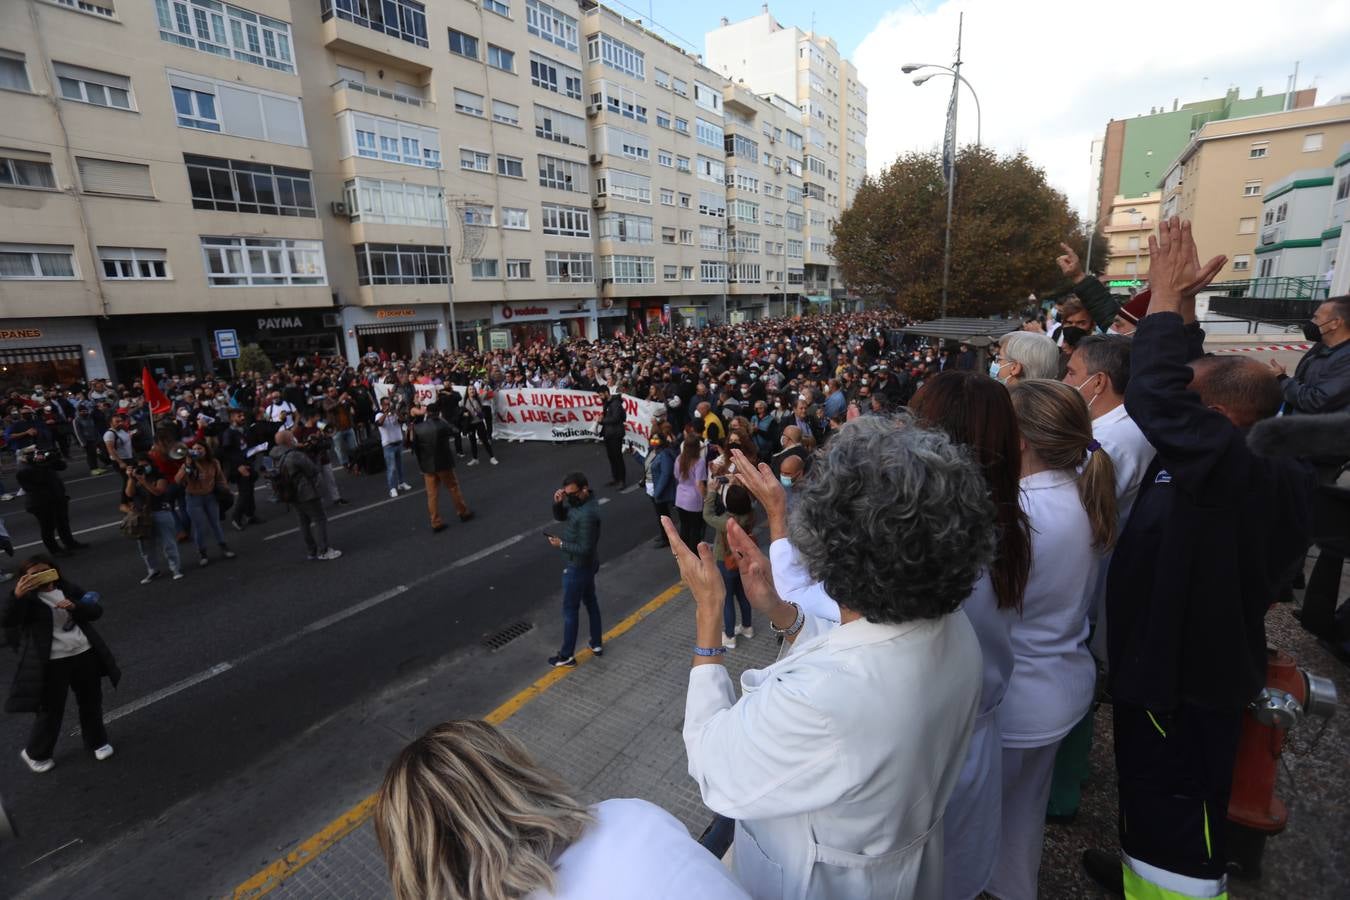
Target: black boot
[{"x": 1105, "y": 871}]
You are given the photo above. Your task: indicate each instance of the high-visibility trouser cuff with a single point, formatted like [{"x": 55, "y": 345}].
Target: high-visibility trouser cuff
[{"x": 1146, "y": 882}]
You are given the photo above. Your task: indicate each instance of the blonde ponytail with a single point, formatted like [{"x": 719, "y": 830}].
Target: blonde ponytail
[{"x": 1055, "y": 423}]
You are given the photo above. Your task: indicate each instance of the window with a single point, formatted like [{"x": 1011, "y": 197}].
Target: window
[
  {"x": 567, "y": 221},
  {"x": 104, "y": 9},
  {"x": 1259, "y": 149},
  {"x": 745, "y": 273},
  {"x": 1267, "y": 268},
  {"x": 468, "y": 103},
  {"x": 667, "y": 234},
  {"x": 1312, "y": 142},
  {"x": 401, "y": 264},
  {"x": 234, "y": 108},
  {"x": 617, "y": 55},
  {"x": 501, "y": 58},
  {"x": 682, "y": 164},
  {"x": 626, "y": 228},
  {"x": 794, "y": 140},
  {"x": 232, "y": 185},
  {"x": 543, "y": 21},
  {"x": 1343, "y": 188},
  {"x": 745, "y": 211},
  {"x": 620, "y": 100},
  {"x": 712, "y": 271},
  {"x": 463, "y": 44},
  {"x": 563, "y": 174},
  {"x": 711, "y": 203},
  {"x": 477, "y": 214},
  {"x": 1131, "y": 268},
  {"x": 794, "y": 194},
  {"x": 686, "y": 201},
  {"x": 91, "y": 86},
  {"x": 746, "y": 242},
  {"x": 515, "y": 219},
  {"x": 711, "y": 170},
  {"x": 133, "y": 264},
  {"x": 32, "y": 172},
  {"x": 707, "y": 97},
  {"x": 1269, "y": 217},
  {"x": 559, "y": 126},
  {"x": 228, "y": 31},
  {"x": 679, "y": 86},
  {"x": 564, "y": 267},
  {"x": 37, "y": 261},
  {"x": 475, "y": 160},
  {"x": 1242, "y": 262},
  {"x": 664, "y": 158},
  {"x": 620, "y": 142},
  {"x": 742, "y": 147},
  {"x": 1281, "y": 212},
  {"x": 516, "y": 269},
  {"x": 483, "y": 268},
  {"x": 667, "y": 197},
  {"x": 623, "y": 185},
  {"x": 687, "y": 237},
  {"x": 501, "y": 9},
  {"x": 661, "y": 78},
  {"x": 253, "y": 262},
  {"x": 662, "y": 119},
  {"x": 670, "y": 273},
  {"x": 710, "y": 237},
  {"x": 393, "y": 202},
  {"x": 510, "y": 166},
  {"x": 625, "y": 269},
  {"x": 13, "y": 72},
  {"x": 106, "y": 176},
  {"x": 391, "y": 140},
  {"x": 681, "y": 125},
  {"x": 554, "y": 76},
  {"x": 706, "y": 132},
  {"x": 1251, "y": 189},
  {"x": 793, "y": 221},
  {"x": 686, "y": 273},
  {"x": 506, "y": 113},
  {"x": 794, "y": 248}
]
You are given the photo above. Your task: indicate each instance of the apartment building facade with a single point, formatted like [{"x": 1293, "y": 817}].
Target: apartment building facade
[
  {"x": 1301, "y": 222},
  {"x": 1220, "y": 177},
  {"x": 807, "y": 69},
  {"x": 326, "y": 177}
]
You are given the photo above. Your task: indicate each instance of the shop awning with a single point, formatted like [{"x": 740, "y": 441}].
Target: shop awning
[
  {"x": 40, "y": 354},
  {"x": 976, "y": 332},
  {"x": 819, "y": 298},
  {"x": 397, "y": 327}
]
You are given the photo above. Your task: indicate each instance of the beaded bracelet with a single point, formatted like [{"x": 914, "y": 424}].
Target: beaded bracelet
[{"x": 709, "y": 651}]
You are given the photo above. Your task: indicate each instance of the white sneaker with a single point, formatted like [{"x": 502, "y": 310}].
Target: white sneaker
[
  {"x": 747, "y": 632},
  {"x": 177, "y": 576},
  {"x": 6, "y": 497},
  {"x": 729, "y": 642},
  {"x": 472, "y": 462},
  {"x": 330, "y": 553},
  {"x": 393, "y": 493},
  {"x": 37, "y": 765},
  {"x": 103, "y": 752},
  {"x": 5, "y": 576},
  {"x": 493, "y": 460},
  {"x": 404, "y": 486},
  {"x": 150, "y": 576}
]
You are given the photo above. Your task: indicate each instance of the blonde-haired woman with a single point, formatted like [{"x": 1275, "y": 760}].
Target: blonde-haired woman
[
  {"x": 1069, "y": 495},
  {"x": 465, "y": 813}
]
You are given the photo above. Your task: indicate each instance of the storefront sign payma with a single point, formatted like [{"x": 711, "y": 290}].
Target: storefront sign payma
[
  {"x": 394, "y": 313},
  {"x": 20, "y": 334}
]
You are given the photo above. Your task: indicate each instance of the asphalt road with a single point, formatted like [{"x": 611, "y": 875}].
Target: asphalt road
[{"x": 244, "y": 656}]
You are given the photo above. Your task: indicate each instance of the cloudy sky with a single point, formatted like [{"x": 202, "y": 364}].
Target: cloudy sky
[{"x": 1051, "y": 73}]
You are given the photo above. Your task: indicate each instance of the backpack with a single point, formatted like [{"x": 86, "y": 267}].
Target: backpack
[{"x": 283, "y": 480}]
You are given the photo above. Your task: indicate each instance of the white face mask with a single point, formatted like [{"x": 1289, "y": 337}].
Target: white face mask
[{"x": 1079, "y": 389}]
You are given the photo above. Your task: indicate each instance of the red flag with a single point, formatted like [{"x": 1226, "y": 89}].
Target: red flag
[{"x": 159, "y": 404}]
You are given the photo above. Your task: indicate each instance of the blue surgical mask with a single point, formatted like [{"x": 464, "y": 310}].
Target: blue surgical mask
[
  {"x": 994, "y": 369},
  {"x": 786, "y": 481}
]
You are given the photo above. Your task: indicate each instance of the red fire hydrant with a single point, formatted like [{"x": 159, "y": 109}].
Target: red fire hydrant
[{"x": 1254, "y": 812}]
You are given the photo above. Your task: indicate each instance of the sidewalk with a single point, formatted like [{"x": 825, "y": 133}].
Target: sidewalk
[{"x": 610, "y": 728}]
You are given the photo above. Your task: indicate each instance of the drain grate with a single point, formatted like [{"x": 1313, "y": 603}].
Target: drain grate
[{"x": 499, "y": 639}]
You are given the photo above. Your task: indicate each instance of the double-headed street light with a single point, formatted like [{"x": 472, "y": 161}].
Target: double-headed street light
[{"x": 911, "y": 68}]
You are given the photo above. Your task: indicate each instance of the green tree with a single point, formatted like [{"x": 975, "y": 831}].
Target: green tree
[
  {"x": 1007, "y": 225},
  {"x": 253, "y": 359}
]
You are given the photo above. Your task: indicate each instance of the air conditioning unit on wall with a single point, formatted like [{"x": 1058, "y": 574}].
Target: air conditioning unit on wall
[{"x": 340, "y": 208}]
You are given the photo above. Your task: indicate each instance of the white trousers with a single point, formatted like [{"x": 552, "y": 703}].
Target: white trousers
[{"x": 1027, "y": 773}]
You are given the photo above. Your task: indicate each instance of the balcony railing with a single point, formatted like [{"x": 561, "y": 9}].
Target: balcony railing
[
  {"x": 402, "y": 19},
  {"x": 345, "y": 84}
]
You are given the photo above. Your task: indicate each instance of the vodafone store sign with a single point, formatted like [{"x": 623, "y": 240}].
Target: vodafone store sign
[{"x": 503, "y": 313}]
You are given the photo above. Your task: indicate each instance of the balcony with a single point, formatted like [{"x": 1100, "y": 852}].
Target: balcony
[
  {"x": 389, "y": 32},
  {"x": 1272, "y": 235}
]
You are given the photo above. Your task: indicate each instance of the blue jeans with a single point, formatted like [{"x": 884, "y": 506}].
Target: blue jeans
[
  {"x": 344, "y": 445},
  {"x": 166, "y": 535},
  {"x": 204, "y": 512},
  {"x": 735, "y": 597},
  {"x": 579, "y": 588},
  {"x": 393, "y": 465}
]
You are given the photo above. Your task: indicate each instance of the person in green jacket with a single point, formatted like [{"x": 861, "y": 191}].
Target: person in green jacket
[
  {"x": 723, "y": 502},
  {"x": 575, "y": 504}
]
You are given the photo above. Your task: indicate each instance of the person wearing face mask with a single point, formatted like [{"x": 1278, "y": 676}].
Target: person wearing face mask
[
  {"x": 790, "y": 471},
  {"x": 575, "y": 504},
  {"x": 660, "y": 481},
  {"x": 730, "y": 501},
  {"x": 1025, "y": 355},
  {"x": 791, "y": 443},
  {"x": 1321, "y": 381}
]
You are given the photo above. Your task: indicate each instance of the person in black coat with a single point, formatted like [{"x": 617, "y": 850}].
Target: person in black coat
[
  {"x": 47, "y": 619},
  {"x": 45, "y": 497},
  {"x": 612, "y": 417},
  {"x": 1214, "y": 535}
]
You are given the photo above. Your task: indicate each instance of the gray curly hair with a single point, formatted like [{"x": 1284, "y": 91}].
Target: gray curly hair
[{"x": 895, "y": 519}]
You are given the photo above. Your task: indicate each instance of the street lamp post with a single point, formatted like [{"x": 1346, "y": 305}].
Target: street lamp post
[{"x": 949, "y": 145}]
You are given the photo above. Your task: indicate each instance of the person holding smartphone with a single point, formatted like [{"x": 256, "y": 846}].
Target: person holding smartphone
[
  {"x": 575, "y": 504},
  {"x": 48, "y": 619}
]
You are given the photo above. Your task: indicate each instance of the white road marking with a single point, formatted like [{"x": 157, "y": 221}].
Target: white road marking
[
  {"x": 351, "y": 512},
  {"x": 81, "y": 531}
]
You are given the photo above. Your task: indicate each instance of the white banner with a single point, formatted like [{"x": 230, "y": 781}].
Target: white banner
[{"x": 551, "y": 414}]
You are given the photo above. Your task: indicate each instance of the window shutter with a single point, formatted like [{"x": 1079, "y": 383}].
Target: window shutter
[
  {"x": 240, "y": 112},
  {"x": 79, "y": 73},
  {"x": 283, "y": 120},
  {"x": 106, "y": 176}
]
